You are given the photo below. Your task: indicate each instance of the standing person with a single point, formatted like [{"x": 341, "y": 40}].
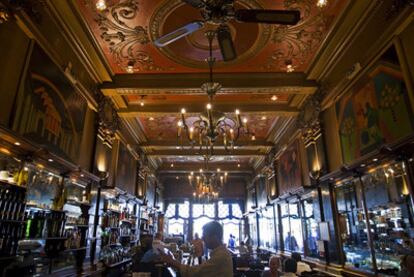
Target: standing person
[
  {"x": 290, "y": 242},
  {"x": 232, "y": 242},
  {"x": 198, "y": 248},
  {"x": 274, "y": 267},
  {"x": 220, "y": 262}
]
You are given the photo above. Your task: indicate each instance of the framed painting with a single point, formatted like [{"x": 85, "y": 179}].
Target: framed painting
[
  {"x": 48, "y": 109},
  {"x": 126, "y": 166},
  {"x": 376, "y": 112},
  {"x": 289, "y": 169}
]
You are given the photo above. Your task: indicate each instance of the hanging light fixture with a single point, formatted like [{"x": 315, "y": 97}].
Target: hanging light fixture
[
  {"x": 212, "y": 125},
  {"x": 207, "y": 184}
]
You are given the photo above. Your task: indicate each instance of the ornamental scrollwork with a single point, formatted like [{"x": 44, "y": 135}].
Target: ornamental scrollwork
[
  {"x": 295, "y": 44},
  {"x": 125, "y": 41}
]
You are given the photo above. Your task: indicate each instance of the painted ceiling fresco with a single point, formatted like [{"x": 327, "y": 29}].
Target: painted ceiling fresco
[
  {"x": 125, "y": 32},
  {"x": 164, "y": 127}
]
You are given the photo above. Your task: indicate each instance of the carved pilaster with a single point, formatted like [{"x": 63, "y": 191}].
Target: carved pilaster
[{"x": 108, "y": 121}]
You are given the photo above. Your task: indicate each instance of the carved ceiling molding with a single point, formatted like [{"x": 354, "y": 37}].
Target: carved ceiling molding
[
  {"x": 30, "y": 7},
  {"x": 297, "y": 43},
  {"x": 124, "y": 41},
  {"x": 4, "y": 14},
  {"x": 165, "y": 8}
]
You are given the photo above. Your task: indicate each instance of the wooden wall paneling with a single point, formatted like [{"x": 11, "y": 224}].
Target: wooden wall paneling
[
  {"x": 15, "y": 50},
  {"x": 330, "y": 132},
  {"x": 404, "y": 45}
]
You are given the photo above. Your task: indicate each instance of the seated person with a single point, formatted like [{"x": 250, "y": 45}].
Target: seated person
[
  {"x": 290, "y": 268},
  {"x": 274, "y": 265},
  {"x": 302, "y": 267},
  {"x": 407, "y": 266},
  {"x": 220, "y": 262},
  {"x": 157, "y": 244},
  {"x": 242, "y": 248}
]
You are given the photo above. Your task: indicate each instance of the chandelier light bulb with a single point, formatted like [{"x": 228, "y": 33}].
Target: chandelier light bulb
[
  {"x": 237, "y": 112},
  {"x": 179, "y": 123},
  {"x": 208, "y": 106},
  {"x": 142, "y": 103},
  {"x": 101, "y": 5},
  {"x": 191, "y": 129},
  {"x": 225, "y": 173},
  {"x": 274, "y": 98},
  {"x": 218, "y": 169},
  {"x": 253, "y": 137},
  {"x": 238, "y": 165},
  {"x": 183, "y": 111},
  {"x": 201, "y": 170},
  {"x": 172, "y": 165},
  {"x": 244, "y": 120},
  {"x": 321, "y": 3},
  {"x": 192, "y": 173}
]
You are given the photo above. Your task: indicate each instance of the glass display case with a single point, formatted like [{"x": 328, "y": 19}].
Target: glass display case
[
  {"x": 353, "y": 230},
  {"x": 390, "y": 215},
  {"x": 384, "y": 191}
]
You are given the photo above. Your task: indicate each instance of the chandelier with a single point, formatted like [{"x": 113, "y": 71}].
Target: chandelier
[
  {"x": 207, "y": 184},
  {"x": 212, "y": 125}
]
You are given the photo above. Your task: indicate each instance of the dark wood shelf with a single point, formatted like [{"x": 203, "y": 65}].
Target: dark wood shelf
[
  {"x": 119, "y": 263},
  {"x": 5, "y": 183},
  {"x": 12, "y": 221},
  {"x": 77, "y": 203},
  {"x": 77, "y": 225},
  {"x": 76, "y": 249}
]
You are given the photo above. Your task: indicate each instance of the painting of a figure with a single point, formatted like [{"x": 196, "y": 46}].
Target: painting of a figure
[
  {"x": 48, "y": 110},
  {"x": 125, "y": 177},
  {"x": 289, "y": 169},
  {"x": 375, "y": 113}
]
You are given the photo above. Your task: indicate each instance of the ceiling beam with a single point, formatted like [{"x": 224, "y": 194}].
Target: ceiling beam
[
  {"x": 218, "y": 143},
  {"x": 195, "y": 152},
  {"x": 266, "y": 82},
  {"x": 245, "y": 108},
  {"x": 185, "y": 168}
]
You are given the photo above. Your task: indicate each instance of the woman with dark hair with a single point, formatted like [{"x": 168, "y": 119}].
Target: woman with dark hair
[{"x": 290, "y": 268}]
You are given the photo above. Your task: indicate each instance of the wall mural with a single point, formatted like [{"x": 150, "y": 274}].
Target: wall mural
[
  {"x": 125, "y": 179},
  {"x": 289, "y": 169},
  {"x": 377, "y": 112},
  {"x": 48, "y": 110}
]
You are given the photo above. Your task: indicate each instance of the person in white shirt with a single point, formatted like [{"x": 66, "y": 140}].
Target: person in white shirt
[
  {"x": 290, "y": 268},
  {"x": 301, "y": 266},
  {"x": 242, "y": 248},
  {"x": 220, "y": 262}
]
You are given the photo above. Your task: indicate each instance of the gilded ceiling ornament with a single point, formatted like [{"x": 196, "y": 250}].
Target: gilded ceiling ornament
[
  {"x": 295, "y": 44},
  {"x": 4, "y": 14},
  {"x": 123, "y": 40}
]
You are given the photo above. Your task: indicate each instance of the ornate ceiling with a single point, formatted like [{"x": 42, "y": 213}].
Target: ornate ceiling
[
  {"x": 150, "y": 94},
  {"x": 126, "y": 29}
]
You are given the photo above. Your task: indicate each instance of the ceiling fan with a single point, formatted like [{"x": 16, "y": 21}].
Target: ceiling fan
[{"x": 220, "y": 12}]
